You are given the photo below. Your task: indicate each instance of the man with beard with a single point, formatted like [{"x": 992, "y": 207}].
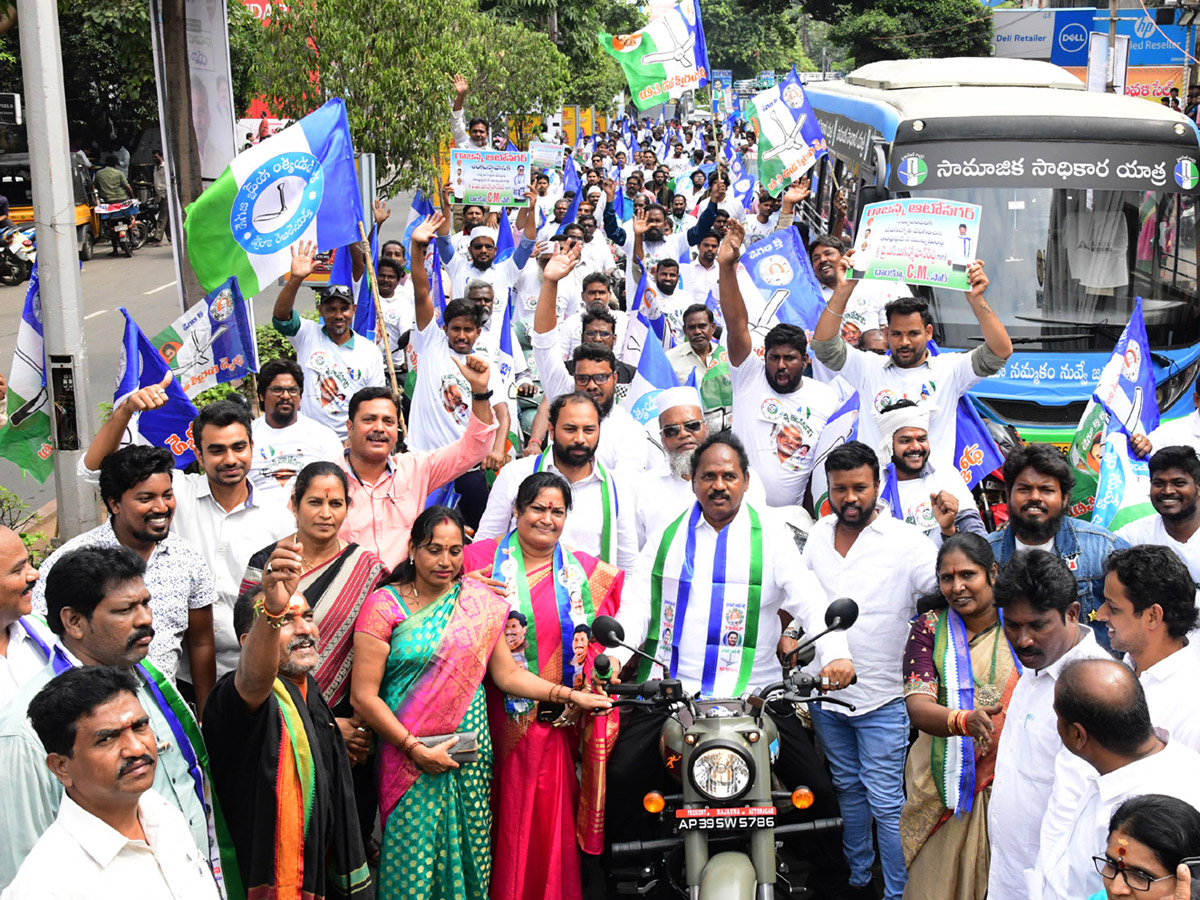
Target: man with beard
[
  {"x": 24, "y": 639},
  {"x": 286, "y": 440},
  {"x": 1174, "y": 476},
  {"x": 336, "y": 362},
  {"x": 678, "y": 218},
  {"x": 911, "y": 371},
  {"x": 664, "y": 493},
  {"x": 623, "y": 443},
  {"x": 1038, "y": 480},
  {"x": 720, "y": 548},
  {"x": 473, "y": 216},
  {"x": 601, "y": 504},
  {"x": 927, "y": 498},
  {"x": 865, "y": 307},
  {"x": 482, "y": 296},
  {"x": 218, "y": 510},
  {"x": 1039, "y": 602},
  {"x": 135, "y": 486},
  {"x": 98, "y": 607},
  {"x": 471, "y": 135},
  {"x": 280, "y": 767},
  {"x": 885, "y": 565},
  {"x": 479, "y": 260},
  {"x": 694, "y": 354},
  {"x": 656, "y": 242},
  {"x": 597, "y": 255},
  {"x": 770, "y": 392}
]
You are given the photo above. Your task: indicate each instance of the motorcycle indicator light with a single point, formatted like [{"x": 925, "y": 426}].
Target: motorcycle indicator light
[
  {"x": 654, "y": 802},
  {"x": 802, "y": 798}
]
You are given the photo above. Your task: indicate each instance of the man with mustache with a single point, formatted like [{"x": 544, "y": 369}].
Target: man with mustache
[
  {"x": 101, "y": 747},
  {"x": 1038, "y": 480},
  {"x": 771, "y": 392},
  {"x": 286, "y": 440},
  {"x": 217, "y": 510},
  {"x": 724, "y": 549},
  {"x": 99, "y": 610},
  {"x": 696, "y": 353},
  {"x": 24, "y": 639},
  {"x": 601, "y": 504},
  {"x": 927, "y": 498},
  {"x": 280, "y": 767},
  {"x": 1039, "y": 602},
  {"x": 885, "y": 565},
  {"x": 1174, "y": 476},
  {"x": 135, "y": 486}
]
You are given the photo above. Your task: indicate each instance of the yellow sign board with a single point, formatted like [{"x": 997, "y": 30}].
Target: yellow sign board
[{"x": 570, "y": 124}]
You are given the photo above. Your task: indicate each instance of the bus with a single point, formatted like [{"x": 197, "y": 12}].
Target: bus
[{"x": 1088, "y": 203}]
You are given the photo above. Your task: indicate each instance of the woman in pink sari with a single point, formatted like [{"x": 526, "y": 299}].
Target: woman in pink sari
[
  {"x": 543, "y": 814},
  {"x": 422, "y": 645}
]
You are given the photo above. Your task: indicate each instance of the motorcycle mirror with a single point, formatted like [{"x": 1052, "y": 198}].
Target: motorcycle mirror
[
  {"x": 609, "y": 632},
  {"x": 841, "y": 614}
]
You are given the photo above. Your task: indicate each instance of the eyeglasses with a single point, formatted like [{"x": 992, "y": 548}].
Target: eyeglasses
[
  {"x": 600, "y": 378},
  {"x": 284, "y": 391},
  {"x": 672, "y": 431},
  {"x": 1135, "y": 878},
  {"x": 597, "y": 335}
]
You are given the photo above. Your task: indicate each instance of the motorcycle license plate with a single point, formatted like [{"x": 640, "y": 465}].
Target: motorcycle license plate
[{"x": 735, "y": 817}]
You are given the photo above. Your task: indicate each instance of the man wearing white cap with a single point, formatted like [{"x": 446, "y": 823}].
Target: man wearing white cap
[
  {"x": 665, "y": 492},
  {"x": 480, "y": 258},
  {"x": 929, "y": 498}
]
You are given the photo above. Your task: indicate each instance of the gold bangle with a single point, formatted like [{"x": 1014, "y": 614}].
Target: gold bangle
[{"x": 275, "y": 620}]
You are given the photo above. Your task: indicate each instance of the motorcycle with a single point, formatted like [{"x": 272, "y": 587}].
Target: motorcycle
[
  {"x": 18, "y": 254},
  {"x": 117, "y": 225},
  {"x": 147, "y": 222},
  {"x": 722, "y": 751}
]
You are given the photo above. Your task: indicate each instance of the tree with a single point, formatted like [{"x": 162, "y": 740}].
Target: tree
[{"x": 749, "y": 39}]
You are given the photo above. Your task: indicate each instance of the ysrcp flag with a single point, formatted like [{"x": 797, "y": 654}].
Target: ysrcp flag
[
  {"x": 841, "y": 427},
  {"x": 1127, "y": 389},
  {"x": 1123, "y": 492},
  {"x": 655, "y": 374},
  {"x": 743, "y": 184},
  {"x": 212, "y": 343},
  {"x": 666, "y": 58},
  {"x": 299, "y": 185},
  {"x": 790, "y": 139},
  {"x": 25, "y": 440},
  {"x": 140, "y": 366},
  {"x": 781, "y": 271}
]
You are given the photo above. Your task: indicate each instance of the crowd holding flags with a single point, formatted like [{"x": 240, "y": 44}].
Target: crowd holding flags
[
  {"x": 790, "y": 140},
  {"x": 666, "y": 58}
]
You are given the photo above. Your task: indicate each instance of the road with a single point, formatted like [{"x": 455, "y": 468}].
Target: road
[{"x": 146, "y": 286}]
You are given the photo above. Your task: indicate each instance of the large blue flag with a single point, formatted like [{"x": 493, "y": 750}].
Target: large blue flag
[
  {"x": 420, "y": 211},
  {"x": 780, "y": 268},
  {"x": 141, "y": 366},
  {"x": 790, "y": 139},
  {"x": 571, "y": 180},
  {"x": 655, "y": 374},
  {"x": 975, "y": 451},
  {"x": 505, "y": 245},
  {"x": 890, "y": 492},
  {"x": 743, "y": 185}
]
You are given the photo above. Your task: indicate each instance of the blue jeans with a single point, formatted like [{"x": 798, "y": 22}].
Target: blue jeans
[{"x": 866, "y": 755}]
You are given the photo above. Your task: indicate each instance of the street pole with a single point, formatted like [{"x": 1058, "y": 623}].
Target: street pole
[
  {"x": 1112, "y": 46},
  {"x": 58, "y": 260}
]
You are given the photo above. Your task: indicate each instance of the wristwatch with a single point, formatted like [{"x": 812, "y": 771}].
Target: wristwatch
[
  {"x": 792, "y": 632},
  {"x": 484, "y": 396}
]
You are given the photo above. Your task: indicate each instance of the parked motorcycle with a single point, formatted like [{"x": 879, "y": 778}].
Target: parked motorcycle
[
  {"x": 147, "y": 221},
  {"x": 117, "y": 225},
  {"x": 722, "y": 751},
  {"x": 17, "y": 255}
]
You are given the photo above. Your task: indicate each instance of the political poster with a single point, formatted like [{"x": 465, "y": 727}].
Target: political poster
[
  {"x": 570, "y": 124},
  {"x": 543, "y": 155},
  {"x": 494, "y": 177},
  {"x": 918, "y": 241},
  {"x": 212, "y": 343}
]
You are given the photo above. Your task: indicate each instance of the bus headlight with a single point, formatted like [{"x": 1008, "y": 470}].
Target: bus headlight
[{"x": 722, "y": 772}]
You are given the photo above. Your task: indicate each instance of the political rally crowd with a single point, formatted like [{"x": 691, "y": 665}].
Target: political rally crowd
[{"x": 351, "y": 655}]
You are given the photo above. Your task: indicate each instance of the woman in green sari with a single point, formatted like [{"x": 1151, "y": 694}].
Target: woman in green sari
[{"x": 422, "y": 646}]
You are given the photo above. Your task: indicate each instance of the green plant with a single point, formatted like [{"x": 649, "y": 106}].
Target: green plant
[{"x": 16, "y": 514}]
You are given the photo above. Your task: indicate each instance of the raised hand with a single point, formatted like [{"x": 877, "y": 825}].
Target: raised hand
[
  {"x": 562, "y": 262},
  {"x": 427, "y": 230},
  {"x": 978, "y": 280},
  {"x": 797, "y": 192},
  {"x": 475, "y": 369},
  {"x": 460, "y": 86},
  {"x": 641, "y": 222},
  {"x": 152, "y": 397},
  {"x": 945, "y": 509},
  {"x": 281, "y": 577},
  {"x": 381, "y": 212},
  {"x": 610, "y": 189},
  {"x": 304, "y": 255},
  {"x": 731, "y": 247}
]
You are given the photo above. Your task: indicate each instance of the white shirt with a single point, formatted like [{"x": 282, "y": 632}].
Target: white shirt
[
  {"x": 1032, "y": 763},
  {"x": 1151, "y": 530},
  {"x": 786, "y": 585},
  {"x": 280, "y": 453},
  {"x": 333, "y": 374},
  {"x": 1066, "y": 871},
  {"x": 441, "y": 403},
  {"x": 461, "y": 270},
  {"x": 81, "y": 857},
  {"x": 762, "y": 415},
  {"x": 866, "y": 307},
  {"x": 24, "y": 657},
  {"x": 624, "y": 444},
  {"x": 889, "y": 567},
  {"x": 1183, "y": 432},
  {"x": 585, "y": 521},
  {"x": 756, "y": 230},
  {"x": 672, "y": 246},
  {"x": 596, "y": 255},
  {"x": 399, "y": 313},
  {"x": 662, "y": 497},
  {"x": 1170, "y": 686}
]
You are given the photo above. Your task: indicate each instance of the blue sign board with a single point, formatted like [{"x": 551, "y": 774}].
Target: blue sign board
[
  {"x": 1150, "y": 44},
  {"x": 1072, "y": 31}
]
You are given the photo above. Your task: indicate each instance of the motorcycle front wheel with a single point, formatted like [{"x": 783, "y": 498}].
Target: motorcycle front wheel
[{"x": 12, "y": 273}]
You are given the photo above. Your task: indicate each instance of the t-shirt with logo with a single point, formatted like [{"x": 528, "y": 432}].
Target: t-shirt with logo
[
  {"x": 441, "y": 403},
  {"x": 280, "y": 453},
  {"x": 780, "y": 431},
  {"x": 332, "y": 374}
]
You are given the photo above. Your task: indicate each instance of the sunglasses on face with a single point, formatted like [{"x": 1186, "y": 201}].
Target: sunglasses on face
[{"x": 672, "y": 431}]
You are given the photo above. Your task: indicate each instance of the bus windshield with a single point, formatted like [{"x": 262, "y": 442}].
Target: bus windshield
[{"x": 1066, "y": 266}]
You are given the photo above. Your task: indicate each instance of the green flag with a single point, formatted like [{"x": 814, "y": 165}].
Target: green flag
[
  {"x": 26, "y": 438},
  {"x": 664, "y": 59}
]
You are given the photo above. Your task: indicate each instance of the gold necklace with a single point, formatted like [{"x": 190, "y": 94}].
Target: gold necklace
[{"x": 306, "y": 566}]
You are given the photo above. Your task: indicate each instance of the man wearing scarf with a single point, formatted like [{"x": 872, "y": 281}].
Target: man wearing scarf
[{"x": 278, "y": 760}]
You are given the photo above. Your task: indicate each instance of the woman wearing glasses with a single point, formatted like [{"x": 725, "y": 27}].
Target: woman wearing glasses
[{"x": 1153, "y": 850}]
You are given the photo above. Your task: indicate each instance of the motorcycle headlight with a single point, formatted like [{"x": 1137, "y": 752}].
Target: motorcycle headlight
[{"x": 721, "y": 772}]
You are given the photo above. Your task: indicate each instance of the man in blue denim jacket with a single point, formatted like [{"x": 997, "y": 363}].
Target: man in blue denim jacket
[{"x": 1039, "y": 481}]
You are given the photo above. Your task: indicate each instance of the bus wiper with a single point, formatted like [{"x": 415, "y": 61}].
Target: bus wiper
[
  {"x": 1046, "y": 339},
  {"x": 1106, "y": 329}
]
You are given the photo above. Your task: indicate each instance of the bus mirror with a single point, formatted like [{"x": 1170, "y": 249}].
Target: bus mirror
[{"x": 872, "y": 194}]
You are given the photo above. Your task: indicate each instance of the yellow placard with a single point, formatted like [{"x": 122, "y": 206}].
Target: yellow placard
[
  {"x": 587, "y": 123},
  {"x": 523, "y": 129},
  {"x": 602, "y": 122},
  {"x": 570, "y": 124}
]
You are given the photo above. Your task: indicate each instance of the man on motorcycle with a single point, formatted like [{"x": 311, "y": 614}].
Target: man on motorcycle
[
  {"x": 707, "y": 596},
  {"x": 111, "y": 185}
]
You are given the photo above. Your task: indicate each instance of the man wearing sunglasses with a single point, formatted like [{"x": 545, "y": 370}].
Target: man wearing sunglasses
[{"x": 663, "y": 494}]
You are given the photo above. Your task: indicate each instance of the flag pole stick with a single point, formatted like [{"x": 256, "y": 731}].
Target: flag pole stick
[{"x": 387, "y": 345}]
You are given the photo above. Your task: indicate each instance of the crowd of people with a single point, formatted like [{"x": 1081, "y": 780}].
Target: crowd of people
[{"x": 351, "y": 654}]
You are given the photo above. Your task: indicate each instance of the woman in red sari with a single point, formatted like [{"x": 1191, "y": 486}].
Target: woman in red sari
[{"x": 542, "y": 813}]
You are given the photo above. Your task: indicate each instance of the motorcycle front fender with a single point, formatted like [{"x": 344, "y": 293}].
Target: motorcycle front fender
[{"x": 728, "y": 876}]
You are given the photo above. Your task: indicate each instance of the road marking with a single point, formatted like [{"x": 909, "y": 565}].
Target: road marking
[
  {"x": 98, "y": 312},
  {"x": 161, "y": 287}
]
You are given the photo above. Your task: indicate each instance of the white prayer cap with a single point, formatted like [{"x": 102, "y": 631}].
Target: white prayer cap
[
  {"x": 484, "y": 231},
  {"x": 893, "y": 420},
  {"x": 679, "y": 396}
]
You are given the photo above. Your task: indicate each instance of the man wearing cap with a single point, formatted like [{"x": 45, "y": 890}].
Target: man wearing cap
[
  {"x": 480, "y": 259},
  {"x": 336, "y": 363},
  {"x": 928, "y": 498}
]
